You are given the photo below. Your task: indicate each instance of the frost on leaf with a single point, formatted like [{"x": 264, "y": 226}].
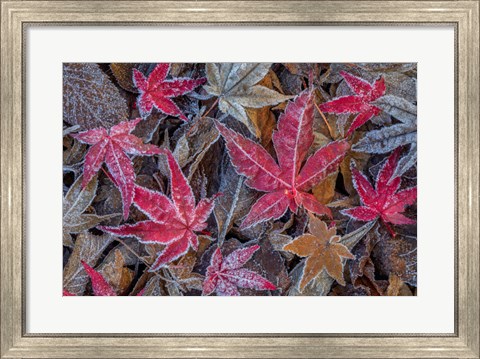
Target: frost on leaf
[
  {"x": 263, "y": 150},
  {"x": 172, "y": 222},
  {"x": 360, "y": 103},
  {"x": 388, "y": 138},
  {"x": 99, "y": 284},
  {"x": 112, "y": 147},
  {"x": 235, "y": 201},
  {"x": 287, "y": 182},
  {"x": 75, "y": 202},
  {"x": 323, "y": 251},
  {"x": 123, "y": 73},
  {"x": 90, "y": 99},
  {"x": 88, "y": 248},
  {"x": 225, "y": 275},
  {"x": 384, "y": 201},
  {"x": 236, "y": 86},
  {"x": 157, "y": 91},
  {"x": 184, "y": 279}
]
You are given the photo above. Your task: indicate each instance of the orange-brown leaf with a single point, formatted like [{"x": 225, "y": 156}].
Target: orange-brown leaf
[{"x": 322, "y": 250}]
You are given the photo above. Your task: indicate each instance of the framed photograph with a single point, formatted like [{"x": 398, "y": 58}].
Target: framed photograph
[{"x": 229, "y": 170}]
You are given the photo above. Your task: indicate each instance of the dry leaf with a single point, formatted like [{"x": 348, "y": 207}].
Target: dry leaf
[
  {"x": 235, "y": 84},
  {"x": 323, "y": 251},
  {"x": 88, "y": 248},
  {"x": 90, "y": 99}
]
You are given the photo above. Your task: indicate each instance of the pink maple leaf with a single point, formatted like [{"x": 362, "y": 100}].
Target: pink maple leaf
[
  {"x": 157, "y": 91},
  {"x": 173, "y": 223},
  {"x": 112, "y": 147},
  {"x": 382, "y": 201},
  {"x": 287, "y": 183},
  {"x": 360, "y": 103},
  {"x": 224, "y": 276}
]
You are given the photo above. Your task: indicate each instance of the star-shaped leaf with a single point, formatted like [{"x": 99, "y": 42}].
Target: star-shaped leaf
[
  {"x": 382, "y": 201},
  {"x": 360, "y": 103},
  {"x": 225, "y": 275},
  {"x": 173, "y": 223},
  {"x": 112, "y": 147},
  {"x": 156, "y": 91},
  {"x": 322, "y": 250},
  {"x": 287, "y": 183},
  {"x": 235, "y": 84}
]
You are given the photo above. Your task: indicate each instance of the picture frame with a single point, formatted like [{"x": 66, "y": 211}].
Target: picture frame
[{"x": 17, "y": 15}]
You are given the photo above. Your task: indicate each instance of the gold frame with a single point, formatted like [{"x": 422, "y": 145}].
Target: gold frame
[{"x": 464, "y": 15}]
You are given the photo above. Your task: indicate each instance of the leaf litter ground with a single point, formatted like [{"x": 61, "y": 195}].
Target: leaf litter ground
[{"x": 239, "y": 179}]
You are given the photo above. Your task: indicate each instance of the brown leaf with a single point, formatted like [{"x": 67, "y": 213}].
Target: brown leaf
[
  {"x": 263, "y": 118},
  {"x": 182, "y": 274},
  {"x": 322, "y": 284},
  {"x": 117, "y": 275},
  {"x": 322, "y": 250},
  {"x": 75, "y": 203},
  {"x": 362, "y": 269},
  {"x": 325, "y": 190},
  {"x": 88, "y": 248},
  {"x": 264, "y": 121},
  {"x": 235, "y": 202},
  {"x": 397, "y": 287},
  {"x": 90, "y": 99},
  {"x": 398, "y": 256}
]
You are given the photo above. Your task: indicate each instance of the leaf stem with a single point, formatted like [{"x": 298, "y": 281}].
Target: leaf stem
[
  {"x": 324, "y": 119},
  {"x": 131, "y": 250},
  {"x": 109, "y": 176},
  {"x": 389, "y": 229},
  {"x": 203, "y": 116}
]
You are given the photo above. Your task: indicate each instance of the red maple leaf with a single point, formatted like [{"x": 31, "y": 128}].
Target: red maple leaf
[
  {"x": 384, "y": 201},
  {"x": 157, "y": 91},
  {"x": 286, "y": 183},
  {"x": 112, "y": 147},
  {"x": 360, "y": 103},
  {"x": 224, "y": 276},
  {"x": 171, "y": 222}
]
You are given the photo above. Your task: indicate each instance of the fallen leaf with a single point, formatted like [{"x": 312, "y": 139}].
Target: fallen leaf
[
  {"x": 112, "y": 147},
  {"x": 88, "y": 248},
  {"x": 287, "y": 183},
  {"x": 99, "y": 284},
  {"x": 156, "y": 91},
  {"x": 123, "y": 73},
  {"x": 224, "y": 275},
  {"x": 171, "y": 223},
  {"x": 322, "y": 283},
  {"x": 235, "y": 202},
  {"x": 384, "y": 201},
  {"x": 90, "y": 99},
  {"x": 360, "y": 103},
  {"x": 323, "y": 251},
  {"x": 75, "y": 202},
  {"x": 235, "y": 85},
  {"x": 116, "y": 274}
]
